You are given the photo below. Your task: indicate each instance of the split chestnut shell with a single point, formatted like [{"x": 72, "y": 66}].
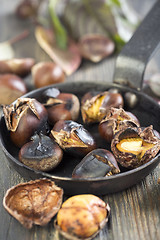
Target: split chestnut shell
[
  {"x": 34, "y": 202},
  {"x": 134, "y": 147},
  {"x": 95, "y": 106},
  {"x": 82, "y": 217},
  {"x": 97, "y": 163}
]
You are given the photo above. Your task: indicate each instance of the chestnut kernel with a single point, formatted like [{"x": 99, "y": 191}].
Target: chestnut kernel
[
  {"x": 134, "y": 147},
  {"x": 73, "y": 137},
  {"x": 41, "y": 153},
  {"x": 34, "y": 202},
  {"x": 65, "y": 106},
  {"x": 82, "y": 217},
  {"x": 97, "y": 163},
  {"x": 47, "y": 73},
  {"x": 11, "y": 88},
  {"x": 116, "y": 120},
  {"x": 94, "y": 108},
  {"x": 25, "y": 118}
]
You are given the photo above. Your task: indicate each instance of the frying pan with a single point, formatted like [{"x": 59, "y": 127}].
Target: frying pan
[{"x": 130, "y": 67}]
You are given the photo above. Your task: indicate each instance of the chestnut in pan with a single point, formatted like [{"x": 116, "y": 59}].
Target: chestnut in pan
[{"x": 73, "y": 137}]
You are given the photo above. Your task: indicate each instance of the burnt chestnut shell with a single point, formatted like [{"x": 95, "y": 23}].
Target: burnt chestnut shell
[
  {"x": 97, "y": 163},
  {"x": 33, "y": 202},
  {"x": 94, "y": 106},
  {"x": 73, "y": 137},
  {"x": 41, "y": 153},
  {"x": 134, "y": 147},
  {"x": 116, "y": 120}
]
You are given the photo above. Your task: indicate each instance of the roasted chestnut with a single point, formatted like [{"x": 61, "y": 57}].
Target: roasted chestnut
[
  {"x": 82, "y": 217},
  {"x": 116, "y": 120},
  {"x": 11, "y": 88},
  {"x": 65, "y": 106},
  {"x": 18, "y": 66},
  {"x": 134, "y": 147},
  {"x": 97, "y": 163},
  {"x": 95, "y": 105},
  {"x": 73, "y": 137},
  {"x": 24, "y": 118},
  {"x": 34, "y": 202},
  {"x": 47, "y": 73},
  {"x": 41, "y": 153}
]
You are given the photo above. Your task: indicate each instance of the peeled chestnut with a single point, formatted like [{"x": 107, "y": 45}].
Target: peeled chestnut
[
  {"x": 95, "y": 106},
  {"x": 97, "y": 163},
  {"x": 41, "y": 153},
  {"x": 82, "y": 217},
  {"x": 47, "y": 73},
  {"x": 133, "y": 147},
  {"x": 73, "y": 137},
  {"x": 25, "y": 118},
  {"x": 116, "y": 120},
  {"x": 65, "y": 106},
  {"x": 18, "y": 66},
  {"x": 11, "y": 88}
]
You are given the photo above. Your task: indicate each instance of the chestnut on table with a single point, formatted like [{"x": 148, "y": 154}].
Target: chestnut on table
[{"x": 135, "y": 211}]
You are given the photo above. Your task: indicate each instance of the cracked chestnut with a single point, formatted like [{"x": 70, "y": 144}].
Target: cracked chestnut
[
  {"x": 95, "y": 106},
  {"x": 134, "y": 147},
  {"x": 65, "y": 106},
  {"x": 116, "y": 120},
  {"x": 24, "y": 118},
  {"x": 73, "y": 137},
  {"x": 41, "y": 153},
  {"x": 34, "y": 202},
  {"x": 82, "y": 217},
  {"x": 97, "y": 163}
]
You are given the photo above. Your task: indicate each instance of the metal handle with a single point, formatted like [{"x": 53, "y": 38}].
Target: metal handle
[{"x": 132, "y": 60}]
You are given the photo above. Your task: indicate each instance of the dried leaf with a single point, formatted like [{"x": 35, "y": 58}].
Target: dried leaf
[{"x": 69, "y": 59}]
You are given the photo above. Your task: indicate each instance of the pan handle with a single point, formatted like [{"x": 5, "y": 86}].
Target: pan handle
[{"x": 132, "y": 60}]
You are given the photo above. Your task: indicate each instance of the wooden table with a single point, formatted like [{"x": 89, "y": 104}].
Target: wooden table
[{"x": 135, "y": 212}]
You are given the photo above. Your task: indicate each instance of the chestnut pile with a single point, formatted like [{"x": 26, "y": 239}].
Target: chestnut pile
[{"x": 45, "y": 132}]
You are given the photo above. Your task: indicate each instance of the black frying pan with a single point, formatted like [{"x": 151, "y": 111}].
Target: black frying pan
[{"x": 130, "y": 66}]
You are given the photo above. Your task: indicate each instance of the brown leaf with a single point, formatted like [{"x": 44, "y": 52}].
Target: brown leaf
[{"x": 69, "y": 59}]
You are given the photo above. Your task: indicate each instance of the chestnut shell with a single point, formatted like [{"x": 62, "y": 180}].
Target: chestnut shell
[
  {"x": 33, "y": 202},
  {"x": 128, "y": 159}
]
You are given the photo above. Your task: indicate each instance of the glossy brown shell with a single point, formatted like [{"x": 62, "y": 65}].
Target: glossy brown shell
[
  {"x": 130, "y": 160},
  {"x": 34, "y": 202}
]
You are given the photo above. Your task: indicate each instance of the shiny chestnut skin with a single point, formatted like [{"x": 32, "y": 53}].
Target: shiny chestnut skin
[
  {"x": 18, "y": 66},
  {"x": 47, "y": 73},
  {"x": 97, "y": 163},
  {"x": 11, "y": 88},
  {"x": 94, "y": 106},
  {"x": 73, "y": 137},
  {"x": 82, "y": 217},
  {"x": 25, "y": 118},
  {"x": 116, "y": 120},
  {"x": 133, "y": 147},
  {"x": 41, "y": 153},
  {"x": 65, "y": 106}
]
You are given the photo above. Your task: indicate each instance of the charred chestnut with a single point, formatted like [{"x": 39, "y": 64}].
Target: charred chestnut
[
  {"x": 34, "y": 202},
  {"x": 24, "y": 118},
  {"x": 134, "y": 147},
  {"x": 65, "y": 106},
  {"x": 94, "y": 106},
  {"x": 97, "y": 163},
  {"x": 41, "y": 153},
  {"x": 47, "y": 73},
  {"x": 116, "y": 120},
  {"x": 82, "y": 217},
  {"x": 18, "y": 66},
  {"x": 73, "y": 137},
  {"x": 11, "y": 88}
]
